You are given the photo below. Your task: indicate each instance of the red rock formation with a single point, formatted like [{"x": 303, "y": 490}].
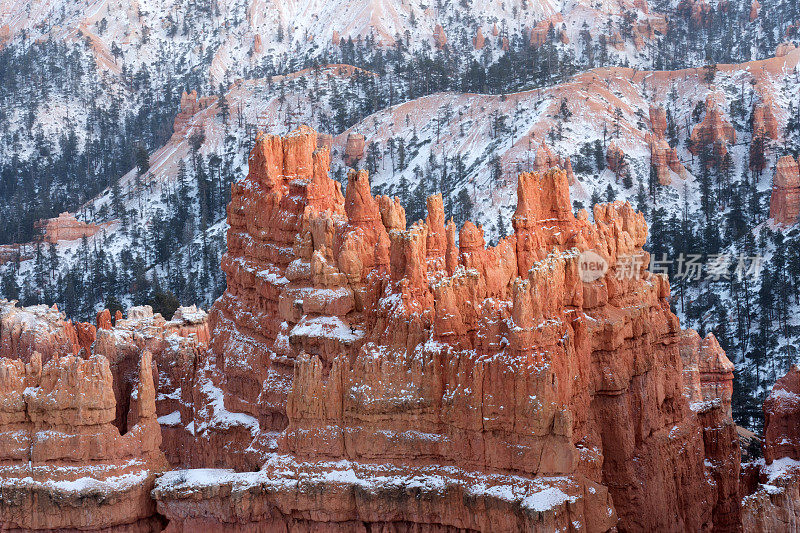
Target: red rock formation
[
  {"x": 773, "y": 503},
  {"x": 754, "y": 9},
  {"x": 374, "y": 352},
  {"x": 439, "y": 37},
  {"x": 408, "y": 382},
  {"x": 478, "y": 41},
  {"x": 545, "y": 159},
  {"x": 616, "y": 41},
  {"x": 538, "y": 34},
  {"x": 615, "y": 158},
  {"x": 662, "y": 156},
  {"x": 781, "y": 423},
  {"x": 708, "y": 374},
  {"x": 696, "y": 10},
  {"x": 784, "y": 203},
  {"x": 61, "y": 458},
  {"x": 325, "y": 140},
  {"x": 638, "y": 41},
  {"x": 15, "y": 252},
  {"x": 713, "y": 129},
  {"x": 104, "y": 319},
  {"x": 658, "y": 121},
  {"x": 5, "y": 34},
  {"x": 190, "y": 104},
  {"x": 354, "y": 149},
  {"x": 764, "y": 122},
  {"x": 258, "y": 47},
  {"x": 65, "y": 227},
  {"x": 665, "y": 159},
  {"x": 37, "y": 329}
]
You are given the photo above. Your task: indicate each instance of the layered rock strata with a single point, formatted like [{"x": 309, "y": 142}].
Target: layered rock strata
[
  {"x": 90, "y": 415},
  {"x": 393, "y": 377},
  {"x": 63, "y": 464}
]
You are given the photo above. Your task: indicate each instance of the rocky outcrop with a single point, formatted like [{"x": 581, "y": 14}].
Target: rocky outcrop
[
  {"x": 42, "y": 330},
  {"x": 781, "y": 423},
  {"x": 764, "y": 122},
  {"x": 190, "y": 105},
  {"x": 177, "y": 347},
  {"x": 615, "y": 159},
  {"x": 546, "y": 159},
  {"x": 15, "y": 252},
  {"x": 784, "y": 203},
  {"x": 707, "y": 372},
  {"x": 698, "y": 11},
  {"x": 65, "y": 227},
  {"x": 354, "y": 149},
  {"x": 765, "y": 128},
  {"x": 755, "y": 7},
  {"x": 439, "y": 36},
  {"x": 361, "y": 374},
  {"x": 663, "y": 158},
  {"x": 773, "y": 503},
  {"x": 714, "y": 131},
  {"x": 63, "y": 463},
  {"x": 462, "y": 386},
  {"x": 479, "y": 41},
  {"x": 538, "y": 34},
  {"x": 658, "y": 121},
  {"x": 5, "y": 34}
]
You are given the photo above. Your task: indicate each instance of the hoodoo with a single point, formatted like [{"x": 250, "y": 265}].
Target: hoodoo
[{"x": 461, "y": 386}]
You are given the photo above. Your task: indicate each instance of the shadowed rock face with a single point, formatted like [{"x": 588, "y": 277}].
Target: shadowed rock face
[
  {"x": 364, "y": 374},
  {"x": 772, "y": 501}
]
